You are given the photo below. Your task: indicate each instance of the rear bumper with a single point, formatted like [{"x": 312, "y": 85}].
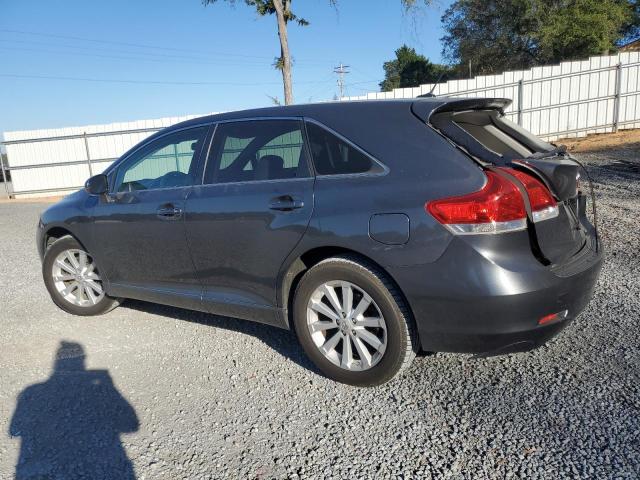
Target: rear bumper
[{"x": 470, "y": 301}]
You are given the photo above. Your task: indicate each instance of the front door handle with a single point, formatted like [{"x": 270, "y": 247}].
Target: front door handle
[
  {"x": 169, "y": 212},
  {"x": 285, "y": 203}
]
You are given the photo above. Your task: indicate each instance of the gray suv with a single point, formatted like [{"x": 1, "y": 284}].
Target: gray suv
[{"x": 373, "y": 229}]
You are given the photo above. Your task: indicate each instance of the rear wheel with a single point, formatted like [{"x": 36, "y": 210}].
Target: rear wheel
[
  {"x": 353, "y": 323},
  {"x": 73, "y": 279}
]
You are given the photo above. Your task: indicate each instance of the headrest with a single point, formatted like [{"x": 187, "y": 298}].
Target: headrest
[
  {"x": 269, "y": 167},
  {"x": 271, "y": 162}
]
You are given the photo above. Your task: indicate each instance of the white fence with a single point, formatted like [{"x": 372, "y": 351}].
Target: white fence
[
  {"x": 597, "y": 95},
  {"x": 59, "y": 160}
]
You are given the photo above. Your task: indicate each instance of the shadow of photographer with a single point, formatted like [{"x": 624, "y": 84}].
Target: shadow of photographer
[{"x": 70, "y": 424}]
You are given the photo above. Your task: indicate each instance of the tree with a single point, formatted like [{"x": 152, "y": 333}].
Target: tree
[
  {"x": 410, "y": 69},
  {"x": 632, "y": 29},
  {"x": 581, "y": 28},
  {"x": 497, "y": 35},
  {"x": 283, "y": 13}
]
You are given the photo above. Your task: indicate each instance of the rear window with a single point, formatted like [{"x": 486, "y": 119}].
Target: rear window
[
  {"x": 491, "y": 131},
  {"x": 334, "y": 156}
]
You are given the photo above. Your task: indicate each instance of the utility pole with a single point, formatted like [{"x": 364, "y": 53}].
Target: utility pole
[{"x": 341, "y": 70}]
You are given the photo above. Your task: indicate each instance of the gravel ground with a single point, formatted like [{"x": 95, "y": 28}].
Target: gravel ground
[{"x": 157, "y": 392}]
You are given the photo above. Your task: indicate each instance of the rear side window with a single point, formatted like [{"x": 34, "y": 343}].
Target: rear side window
[
  {"x": 333, "y": 156},
  {"x": 255, "y": 150}
]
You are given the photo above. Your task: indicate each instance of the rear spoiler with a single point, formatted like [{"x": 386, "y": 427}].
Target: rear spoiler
[{"x": 424, "y": 109}]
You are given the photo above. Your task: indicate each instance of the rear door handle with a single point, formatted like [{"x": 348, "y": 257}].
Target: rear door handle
[
  {"x": 285, "y": 203},
  {"x": 169, "y": 212}
]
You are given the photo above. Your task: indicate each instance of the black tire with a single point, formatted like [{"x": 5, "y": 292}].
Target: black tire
[
  {"x": 69, "y": 243},
  {"x": 401, "y": 335}
]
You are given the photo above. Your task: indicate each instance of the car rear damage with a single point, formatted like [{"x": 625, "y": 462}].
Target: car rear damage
[
  {"x": 558, "y": 226},
  {"x": 524, "y": 257}
]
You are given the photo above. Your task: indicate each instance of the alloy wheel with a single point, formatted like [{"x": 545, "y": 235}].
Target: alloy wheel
[
  {"x": 347, "y": 325},
  {"x": 76, "y": 278}
]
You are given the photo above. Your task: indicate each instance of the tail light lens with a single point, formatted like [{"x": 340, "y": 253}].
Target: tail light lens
[
  {"x": 553, "y": 317},
  {"x": 497, "y": 208},
  {"x": 543, "y": 205}
]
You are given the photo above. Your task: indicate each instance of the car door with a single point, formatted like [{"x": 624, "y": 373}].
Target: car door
[
  {"x": 139, "y": 226},
  {"x": 253, "y": 207}
]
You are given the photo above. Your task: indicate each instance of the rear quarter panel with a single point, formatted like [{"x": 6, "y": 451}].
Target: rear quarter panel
[{"x": 421, "y": 166}]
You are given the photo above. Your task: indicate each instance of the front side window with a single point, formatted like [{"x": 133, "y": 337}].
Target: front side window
[
  {"x": 333, "y": 156},
  {"x": 255, "y": 150},
  {"x": 167, "y": 162}
]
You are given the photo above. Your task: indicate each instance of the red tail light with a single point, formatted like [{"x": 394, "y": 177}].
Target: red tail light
[
  {"x": 552, "y": 317},
  {"x": 497, "y": 208},
  {"x": 542, "y": 202}
]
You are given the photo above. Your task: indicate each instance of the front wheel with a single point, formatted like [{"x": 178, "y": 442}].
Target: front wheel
[
  {"x": 353, "y": 322},
  {"x": 73, "y": 280}
]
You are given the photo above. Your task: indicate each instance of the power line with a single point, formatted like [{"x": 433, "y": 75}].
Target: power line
[
  {"x": 361, "y": 83},
  {"x": 363, "y": 74},
  {"x": 313, "y": 91},
  {"x": 148, "y": 46},
  {"x": 145, "y": 57},
  {"x": 136, "y": 45},
  {"x": 144, "y": 82},
  {"x": 135, "y": 57},
  {"x": 119, "y": 52}
]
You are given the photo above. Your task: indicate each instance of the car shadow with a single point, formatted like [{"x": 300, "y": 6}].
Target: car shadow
[
  {"x": 282, "y": 341},
  {"x": 70, "y": 424}
]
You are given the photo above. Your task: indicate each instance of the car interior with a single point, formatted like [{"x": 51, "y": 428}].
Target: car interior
[
  {"x": 263, "y": 156},
  {"x": 172, "y": 178}
]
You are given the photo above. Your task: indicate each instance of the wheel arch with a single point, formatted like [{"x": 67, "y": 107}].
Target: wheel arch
[
  {"x": 308, "y": 259},
  {"x": 55, "y": 233}
]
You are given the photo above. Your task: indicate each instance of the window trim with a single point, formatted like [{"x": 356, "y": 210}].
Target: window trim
[
  {"x": 385, "y": 169},
  {"x": 114, "y": 172},
  {"x": 305, "y": 146}
]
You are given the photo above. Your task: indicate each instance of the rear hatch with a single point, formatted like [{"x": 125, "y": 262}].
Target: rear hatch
[{"x": 480, "y": 129}]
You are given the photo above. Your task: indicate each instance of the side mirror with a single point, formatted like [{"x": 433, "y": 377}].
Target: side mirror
[{"x": 97, "y": 185}]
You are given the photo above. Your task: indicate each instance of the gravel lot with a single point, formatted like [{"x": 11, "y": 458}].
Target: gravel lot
[{"x": 168, "y": 393}]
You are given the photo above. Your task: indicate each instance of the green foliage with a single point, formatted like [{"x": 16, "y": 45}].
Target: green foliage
[
  {"x": 410, "y": 69},
  {"x": 498, "y": 35},
  {"x": 632, "y": 29},
  {"x": 266, "y": 7},
  {"x": 582, "y": 28}
]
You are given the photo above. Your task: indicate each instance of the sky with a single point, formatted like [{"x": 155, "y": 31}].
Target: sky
[{"x": 71, "y": 62}]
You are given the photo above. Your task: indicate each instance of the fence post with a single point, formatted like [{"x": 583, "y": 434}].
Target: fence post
[
  {"x": 4, "y": 176},
  {"x": 86, "y": 147},
  {"x": 616, "y": 99},
  {"x": 520, "y": 102}
]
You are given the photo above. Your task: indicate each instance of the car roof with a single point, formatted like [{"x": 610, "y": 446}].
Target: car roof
[
  {"x": 423, "y": 106},
  {"x": 314, "y": 109}
]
